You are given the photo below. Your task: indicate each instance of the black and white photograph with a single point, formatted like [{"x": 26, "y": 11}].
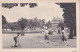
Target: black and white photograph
[{"x": 39, "y": 25}]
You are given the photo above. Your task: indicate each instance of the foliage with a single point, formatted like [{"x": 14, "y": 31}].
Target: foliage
[
  {"x": 10, "y": 5},
  {"x": 70, "y": 17},
  {"x": 4, "y": 20},
  {"x": 4, "y": 23},
  {"x": 22, "y": 23},
  {"x": 48, "y": 24}
]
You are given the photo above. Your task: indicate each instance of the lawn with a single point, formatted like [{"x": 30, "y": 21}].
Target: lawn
[{"x": 36, "y": 40}]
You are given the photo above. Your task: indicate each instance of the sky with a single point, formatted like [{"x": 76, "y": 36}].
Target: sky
[{"x": 45, "y": 11}]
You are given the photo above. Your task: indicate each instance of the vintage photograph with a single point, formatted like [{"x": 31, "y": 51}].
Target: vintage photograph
[{"x": 39, "y": 25}]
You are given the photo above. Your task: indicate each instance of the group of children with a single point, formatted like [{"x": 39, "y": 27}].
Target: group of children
[
  {"x": 46, "y": 36},
  {"x": 64, "y": 36}
]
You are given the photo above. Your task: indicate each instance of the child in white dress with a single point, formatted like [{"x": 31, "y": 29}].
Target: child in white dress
[{"x": 64, "y": 36}]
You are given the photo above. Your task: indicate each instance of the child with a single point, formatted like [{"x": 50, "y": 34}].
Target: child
[
  {"x": 46, "y": 35},
  {"x": 16, "y": 40},
  {"x": 64, "y": 36}
]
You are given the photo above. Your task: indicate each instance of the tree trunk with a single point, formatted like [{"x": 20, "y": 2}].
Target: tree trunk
[
  {"x": 22, "y": 33},
  {"x": 71, "y": 32},
  {"x": 75, "y": 30}
]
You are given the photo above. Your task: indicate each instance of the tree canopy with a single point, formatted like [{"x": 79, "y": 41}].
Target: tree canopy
[
  {"x": 11, "y": 5},
  {"x": 70, "y": 17}
]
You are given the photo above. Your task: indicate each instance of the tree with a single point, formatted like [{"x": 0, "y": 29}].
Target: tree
[
  {"x": 9, "y": 5},
  {"x": 23, "y": 4},
  {"x": 70, "y": 17},
  {"x": 32, "y": 5},
  {"x": 41, "y": 23},
  {"x": 48, "y": 24},
  {"x": 13, "y": 26},
  {"x": 31, "y": 24},
  {"x": 4, "y": 20},
  {"x": 4, "y": 23},
  {"x": 60, "y": 24},
  {"x": 22, "y": 24},
  {"x": 36, "y": 22}
]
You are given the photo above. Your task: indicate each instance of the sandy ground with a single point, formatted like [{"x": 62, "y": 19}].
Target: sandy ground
[{"x": 36, "y": 40}]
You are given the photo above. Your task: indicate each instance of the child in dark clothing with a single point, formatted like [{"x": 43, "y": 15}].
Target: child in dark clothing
[{"x": 16, "y": 39}]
